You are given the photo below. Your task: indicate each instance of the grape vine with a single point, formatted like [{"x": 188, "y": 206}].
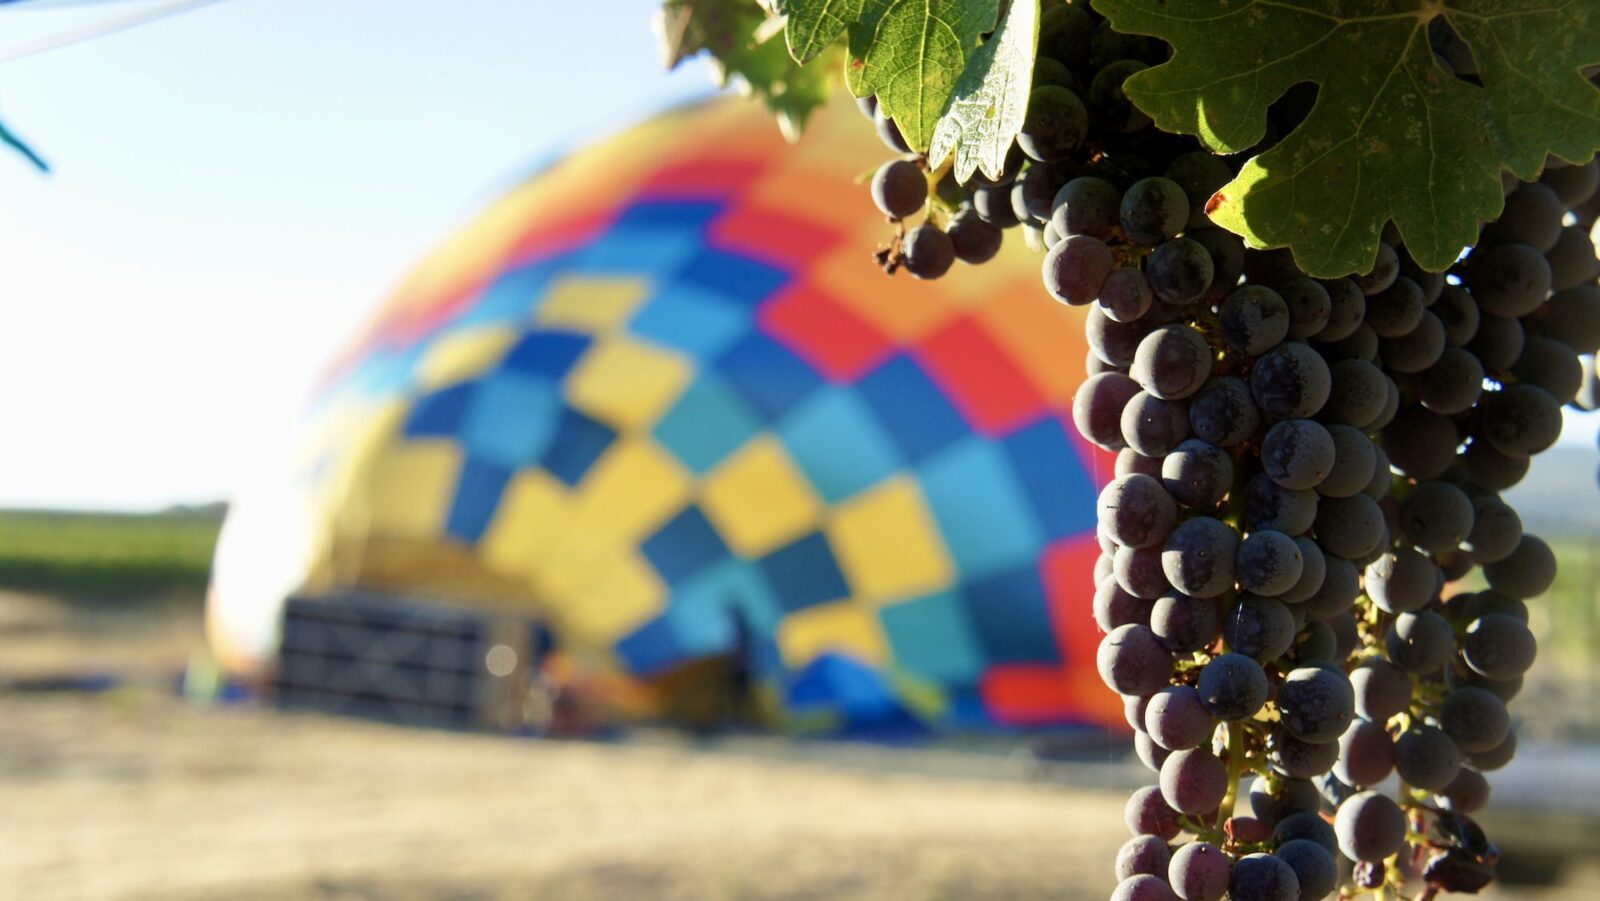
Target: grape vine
[{"x": 1311, "y": 439}]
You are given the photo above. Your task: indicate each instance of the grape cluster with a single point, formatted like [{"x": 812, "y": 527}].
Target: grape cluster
[{"x": 1304, "y": 466}]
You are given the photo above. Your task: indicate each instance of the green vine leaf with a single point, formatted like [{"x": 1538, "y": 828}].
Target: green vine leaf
[
  {"x": 813, "y": 24},
  {"x": 1392, "y": 134},
  {"x": 917, "y": 51},
  {"x": 990, "y": 100}
]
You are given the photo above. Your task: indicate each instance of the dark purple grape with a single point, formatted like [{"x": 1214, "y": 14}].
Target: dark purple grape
[
  {"x": 1198, "y": 557},
  {"x": 1370, "y": 827},
  {"x": 1199, "y": 871},
  {"x": 1086, "y": 206},
  {"x": 1233, "y": 687},
  {"x": 1152, "y": 426},
  {"x": 1097, "y": 407},
  {"x": 1297, "y": 453},
  {"x": 1177, "y": 720},
  {"x": 928, "y": 252},
  {"x": 1185, "y": 624},
  {"x": 1366, "y": 754},
  {"x": 1420, "y": 642},
  {"x": 1172, "y": 362},
  {"x": 974, "y": 240},
  {"x": 1126, "y": 294},
  {"x": 1475, "y": 719},
  {"x": 1347, "y": 309},
  {"x": 1197, "y": 474},
  {"x": 1498, "y": 646},
  {"x": 1194, "y": 781},
  {"x": 1133, "y": 661},
  {"x": 1314, "y": 868},
  {"x": 1223, "y": 412},
  {"x": 899, "y": 189},
  {"x": 1056, "y": 124},
  {"x": 1153, "y": 210},
  {"x": 1385, "y": 269},
  {"x": 1268, "y": 563},
  {"x": 1076, "y": 268},
  {"x": 1290, "y": 381},
  {"x": 1147, "y": 813},
  {"x": 1401, "y": 580},
  {"x": 1316, "y": 703},
  {"x": 1262, "y": 877},
  {"x": 1426, "y": 757},
  {"x": 1254, "y": 319},
  {"x": 1146, "y": 854},
  {"x": 1143, "y": 887},
  {"x": 1381, "y": 690}
]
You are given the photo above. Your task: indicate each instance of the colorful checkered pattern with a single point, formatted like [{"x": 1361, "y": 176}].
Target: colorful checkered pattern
[{"x": 681, "y": 416}]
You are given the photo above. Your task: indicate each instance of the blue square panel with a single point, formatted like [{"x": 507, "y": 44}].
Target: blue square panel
[
  {"x": 578, "y": 443},
  {"x": 440, "y": 413},
  {"x": 511, "y": 420},
  {"x": 630, "y": 250},
  {"x": 768, "y": 374},
  {"x": 691, "y": 318},
  {"x": 738, "y": 588},
  {"x": 741, "y": 278},
  {"x": 547, "y": 353},
  {"x": 805, "y": 573},
  {"x": 915, "y": 413},
  {"x": 987, "y": 519},
  {"x": 1011, "y": 617},
  {"x": 707, "y": 423},
  {"x": 684, "y": 546},
  {"x": 477, "y": 498},
  {"x": 932, "y": 638},
  {"x": 674, "y": 215},
  {"x": 652, "y": 648},
  {"x": 511, "y": 297},
  {"x": 1053, "y": 478},
  {"x": 837, "y": 441}
]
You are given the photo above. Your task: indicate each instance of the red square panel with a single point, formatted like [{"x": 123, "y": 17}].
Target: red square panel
[
  {"x": 772, "y": 235},
  {"x": 986, "y": 385},
  {"x": 837, "y": 342}
]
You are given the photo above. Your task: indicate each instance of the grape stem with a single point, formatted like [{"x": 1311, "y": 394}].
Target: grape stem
[{"x": 1236, "y": 769}]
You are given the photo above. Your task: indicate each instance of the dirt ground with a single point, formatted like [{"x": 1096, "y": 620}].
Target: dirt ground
[{"x": 131, "y": 793}]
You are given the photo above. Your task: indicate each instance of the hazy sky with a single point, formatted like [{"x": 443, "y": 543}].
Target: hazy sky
[{"x": 237, "y": 187}]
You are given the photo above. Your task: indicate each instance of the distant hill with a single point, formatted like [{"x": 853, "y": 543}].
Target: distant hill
[{"x": 1560, "y": 496}]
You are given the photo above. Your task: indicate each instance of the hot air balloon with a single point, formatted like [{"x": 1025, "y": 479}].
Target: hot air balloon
[{"x": 660, "y": 401}]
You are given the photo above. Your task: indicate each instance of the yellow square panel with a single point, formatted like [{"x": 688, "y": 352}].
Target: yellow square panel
[
  {"x": 758, "y": 499},
  {"x": 619, "y": 593},
  {"x": 410, "y": 487},
  {"x": 887, "y": 543},
  {"x": 589, "y": 303},
  {"x": 632, "y": 489},
  {"x": 527, "y": 524},
  {"x": 467, "y": 353},
  {"x": 627, "y": 384},
  {"x": 840, "y": 627}
]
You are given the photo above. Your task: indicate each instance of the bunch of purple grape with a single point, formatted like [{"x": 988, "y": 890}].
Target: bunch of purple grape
[{"x": 1304, "y": 468}]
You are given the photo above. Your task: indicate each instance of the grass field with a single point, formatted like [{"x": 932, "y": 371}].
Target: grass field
[{"x": 108, "y": 556}]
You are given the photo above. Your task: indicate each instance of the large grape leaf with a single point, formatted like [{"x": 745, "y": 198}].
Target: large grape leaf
[
  {"x": 990, "y": 100},
  {"x": 813, "y": 24},
  {"x": 917, "y": 50},
  {"x": 1392, "y": 135}
]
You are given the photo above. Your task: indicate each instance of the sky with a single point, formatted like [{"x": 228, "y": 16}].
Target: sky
[{"x": 236, "y": 188}]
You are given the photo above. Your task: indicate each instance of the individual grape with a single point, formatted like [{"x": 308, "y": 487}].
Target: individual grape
[
  {"x": 1055, "y": 125},
  {"x": 974, "y": 240},
  {"x": 1133, "y": 707},
  {"x": 1268, "y": 563},
  {"x": 1572, "y": 184},
  {"x": 1458, "y": 313},
  {"x": 1262, "y": 877},
  {"x": 1426, "y": 757},
  {"x": 1338, "y": 591},
  {"x": 1172, "y": 362},
  {"x": 1315, "y": 643},
  {"x": 1572, "y": 260},
  {"x": 1467, "y": 792},
  {"x": 1153, "y": 209},
  {"x": 1199, "y": 871},
  {"x": 1143, "y": 887},
  {"x": 1401, "y": 581},
  {"x": 992, "y": 203},
  {"x": 1521, "y": 420},
  {"x": 1436, "y": 516},
  {"x": 1348, "y": 526},
  {"x": 1420, "y": 642},
  {"x": 1138, "y": 571},
  {"x": 1532, "y": 215},
  {"x": 1184, "y": 624},
  {"x": 1086, "y": 206},
  {"x": 1346, "y": 636},
  {"x": 1277, "y": 799},
  {"x": 1498, "y": 342},
  {"x": 1362, "y": 344},
  {"x": 1146, "y": 854},
  {"x": 1302, "y": 759},
  {"x": 1382, "y": 478},
  {"x": 1453, "y": 383},
  {"x": 1114, "y": 607},
  {"x": 1489, "y": 468},
  {"x": 1200, "y": 174},
  {"x": 1498, "y": 646},
  {"x": 1305, "y": 826},
  {"x": 1098, "y": 405},
  {"x": 1316, "y": 704},
  {"x": 1126, "y": 294},
  {"x": 1152, "y": 426},
  {"x": 1223, "y": 412},
  {"x": 1132, "y": 660},
  {"x": 1464, "y": 608},
  {"x": 1180, "y": 270},
  {"x": 1197, "y": 474},
  {"x": 1137, "y": 512},
  {"x": 868, "y": 106},
  {"x": 1253, "y": 319},
  {"x": 889, "y": 133},
  {"x": 1297, "y": 453},
  {"x": 1150, "y": 754},
  {"x": 1177, "y": 720},
  {"x": 1232, "y": 686},
  {"x": 1551, "y": 365},
  {"x": 1113, "y": 342},
  {"x": 1291, "y": 381},
  {"x": 1147, "y": 813},
  {"x": 1194, "y": 781},
  {"x": 1370, "y": 827},
  {"x": 1313, "y": 572},
  {"x": 1354, "y": 457},
  {"x": 1268, "y": 505},
  {"x": 1315, "y": 870},
  {"x": 1357, "y": 393},
  {"x": 928, "y": 252},
  {"x": 1496, "y": 530},
  {"x": 1489, "y": 761},
  {"x": 1381, "y": 690},
  {"x": 1573, "y": 316},
  {"x": 1198, "y": 557},
  {"x": 1076, "y": 268},
  {"x": 899, "y": 189},
  {"x": 1259, "y": 628},
  {"x": 1475, "y": 719},
  {"x": 1417, "y": 349},
  {"x": 1102, "y": 568},
  {"x": 1227, "y": 256},
  {"x": 1420, "y": 443},
  {"x": 1366, "y": 754},
  {"x": 1385, "y": 269},
  {"x": 1391, "y": 407},
  {"x": 1347, "y": 309},
  {"x": 1130, "y": 461},
  {"x": 1397, "y": 310},
  {"x": 1310, "y": 307},
  {"x": 1034, "y": 192}
]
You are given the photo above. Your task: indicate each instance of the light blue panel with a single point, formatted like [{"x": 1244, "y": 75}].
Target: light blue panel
[
  {"x": 988, "y": 524},
  {"x": 708, "y": 422},
  {"x": 692, "y": 319},
  {"x": 932, "y": 637},
  {"x": 511, "y": 419},
  {"x": 837, "y": 440}
]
